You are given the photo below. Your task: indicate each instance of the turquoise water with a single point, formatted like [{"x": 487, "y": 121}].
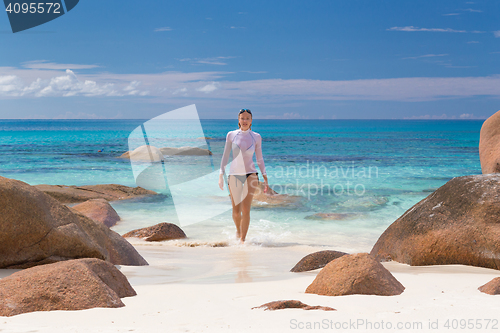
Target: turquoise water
[{"x": 371, "y": 171}]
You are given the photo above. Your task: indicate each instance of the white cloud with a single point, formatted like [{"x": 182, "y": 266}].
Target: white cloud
[
  {"x": 288, "y": 115},
  {"x": 79, "y": 115},
  {"x": 69, "y": 85},
  {"x": 444, "y": 116},
  {"x": 397, "y": 89},
  {"x": 163, "y": 29},
  {"x": 233, "y": 27},
  {"x": 132, "y": 90},
  {"x": 211, "y": 87},
  {"x": 181, "y": 91},
  {"x": 473, "y": 42},
  {"x": 330, "y": 117},
  {"x": 132, "y": 86},
  {"x": 448, "y": 65},
  {"x": 412, "y": 28},
  {"x": 37, "y": 116},
  {"x": 472, "y": 10},
  {"x": 9, "y": 84},
  {"x": 293, "y": 115},
  {"x": 71, "y": 115},
  {"x": 43, "y": 64},
  {"x": 163, "y": 87},
  {"x": 57, "y": 86},
  {"x": 428, "y": 56},
  {"x": 208, "y": 61},
  {"x": 213, "y": 61},
  {"x": 451, "y": 14},
  {"x": 496, "y": 33}
]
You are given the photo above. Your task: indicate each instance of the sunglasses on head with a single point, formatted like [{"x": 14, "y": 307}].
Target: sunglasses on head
[{"x": 245, "y": 110}]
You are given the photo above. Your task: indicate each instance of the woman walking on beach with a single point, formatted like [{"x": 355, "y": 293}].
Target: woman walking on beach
[{"x": 243, "y": 177}]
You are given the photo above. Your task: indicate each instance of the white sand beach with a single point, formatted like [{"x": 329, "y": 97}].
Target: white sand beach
[{"x": 213, "y": 289}]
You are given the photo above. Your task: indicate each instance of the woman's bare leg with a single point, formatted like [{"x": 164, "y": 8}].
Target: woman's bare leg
[
  {"x": 251, "y": 184},
  {"x": 236, "y": 190}
]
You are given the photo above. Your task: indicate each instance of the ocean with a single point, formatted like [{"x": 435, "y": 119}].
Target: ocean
[{"x": 364, "y": 173}]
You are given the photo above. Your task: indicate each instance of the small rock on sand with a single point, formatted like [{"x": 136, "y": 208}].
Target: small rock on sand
[
  {"x": 316, "y": 260},
  {"x": 157, "y": 233},
  {"x": 492, "y": 287},
  {"x": 291, "y": 304}
]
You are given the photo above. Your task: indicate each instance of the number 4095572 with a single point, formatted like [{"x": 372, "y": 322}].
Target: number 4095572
[{"x": 32, "y": 8}]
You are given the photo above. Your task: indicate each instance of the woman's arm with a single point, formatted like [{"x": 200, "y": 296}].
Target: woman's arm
[
  {"x": 225, "y": 159},
  {"x": 260, "y": 162}
]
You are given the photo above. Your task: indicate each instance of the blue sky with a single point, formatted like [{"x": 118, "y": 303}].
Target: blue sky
[{"x": 351, "y": 59}]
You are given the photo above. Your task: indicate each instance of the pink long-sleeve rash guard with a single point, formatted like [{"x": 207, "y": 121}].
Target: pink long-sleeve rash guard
[{"x": 243, "y": 144}]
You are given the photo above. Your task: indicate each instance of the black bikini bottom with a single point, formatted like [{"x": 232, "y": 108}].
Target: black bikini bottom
[{"x": 243, "y": 178}]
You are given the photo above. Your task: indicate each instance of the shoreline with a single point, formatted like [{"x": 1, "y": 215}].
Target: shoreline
[{"x": 207, "y": 289}]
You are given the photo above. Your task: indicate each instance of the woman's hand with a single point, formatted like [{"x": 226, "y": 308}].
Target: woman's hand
[
  {"x": 221, "y": 181},
  {"x": 266, "y": 186}
]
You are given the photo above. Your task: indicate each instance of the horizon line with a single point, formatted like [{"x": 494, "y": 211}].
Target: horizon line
[{"x": 292, "y": 119}]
